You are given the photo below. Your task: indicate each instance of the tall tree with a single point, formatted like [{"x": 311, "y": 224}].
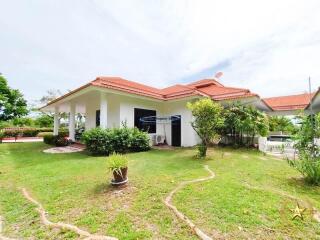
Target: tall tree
[
  {"x": 208, "y": 120},
  {"x": 12, "y": 103}
]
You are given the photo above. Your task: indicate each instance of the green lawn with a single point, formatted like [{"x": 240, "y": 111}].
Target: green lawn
[{"x": 243, "y": 201}]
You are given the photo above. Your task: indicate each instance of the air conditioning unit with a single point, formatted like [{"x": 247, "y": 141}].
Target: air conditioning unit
[{"x": 158, "y": 139}]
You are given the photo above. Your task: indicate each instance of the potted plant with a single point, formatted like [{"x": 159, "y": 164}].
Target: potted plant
[{"x": 118, "y": 165}]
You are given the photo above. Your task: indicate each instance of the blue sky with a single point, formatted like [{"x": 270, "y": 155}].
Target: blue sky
[{"x": 270, "y": 47}]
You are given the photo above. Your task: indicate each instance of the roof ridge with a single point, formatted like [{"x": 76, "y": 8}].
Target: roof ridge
[{"x": 292, "y": 95}]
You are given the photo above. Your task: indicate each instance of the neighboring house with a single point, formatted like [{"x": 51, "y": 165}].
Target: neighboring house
[
  {"x": 109, "y": 101},
  {"x": 291, "y": 105}
]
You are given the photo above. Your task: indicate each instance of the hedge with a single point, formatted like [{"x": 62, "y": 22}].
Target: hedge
[
  {"x": 120, "y": 140},
  {"x": 30, "y": 132},
  {"x": 58, "y": 141}
]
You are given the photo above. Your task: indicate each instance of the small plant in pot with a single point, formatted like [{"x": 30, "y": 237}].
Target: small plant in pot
[{"x": 118, "y": 165}]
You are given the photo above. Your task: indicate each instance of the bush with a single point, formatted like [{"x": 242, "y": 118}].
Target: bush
[
  {"x": 29, "y": 132},
  {"x": 120, "y": 140},
  {"x": 139, "y": 141},
  {"x": 45, "y": 129},
  {"x": 58, "y": 141},
  {"x": 42, "y": 134},
  {"x": 308, "y": 163},
  {"x": 308, "y": 166},
  {"x": 97, "y": 141},
  {"x": 49, "y": 139},
  {"x": 12, "y": 133}
]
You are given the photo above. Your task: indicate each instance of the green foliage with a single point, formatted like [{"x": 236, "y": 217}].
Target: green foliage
[
  {"x": 23, "y": 122},
  {"x": 116, "y": 161},
  {"x": 308, "y": 163},
  {"x": 49, "y": 139},
  {"x": 12, "y": 103},
  {"x": 1, "y": 135},
  {"x": 281, "y": 123},
  {"x": 58, "y": 141},
  {"x": 27, "y": 132},
  {"x": 243, "y": 123},
  {"x": 44, "y": 120},
  {"x": 42, "y": 134},
  {"x": 30, "y": 133},
  {"x": 4, "y": 124},
  {"x": 308, "y": 166},
  {"x": 120, "y": 140},
  {"x": 140, "y": 141},
  {"x": 208, "y": 120}
]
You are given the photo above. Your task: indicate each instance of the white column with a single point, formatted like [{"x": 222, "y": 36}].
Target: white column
[
  {"x": 103, "y": 111},
  {"x": 72, "y": 116},
  {"x": 90, "y": 117},
  {"x": 56, "y": 121}
]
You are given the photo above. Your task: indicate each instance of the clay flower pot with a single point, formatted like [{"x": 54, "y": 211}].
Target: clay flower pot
[{"x": 120, "y": 175}]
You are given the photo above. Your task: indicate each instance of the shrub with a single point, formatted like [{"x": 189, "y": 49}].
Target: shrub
[
  {"x": 308, "y": 163},
  {"x": 29, "y": 132},
  {"x": 12, "y": 133},
  {"x": 308, "y": 166},
  {"x": 116, "y": 161},
  {"x": 139, "y": 141},
  {"x": 97, "y": 141},
  {"x": 63, "y": 133},
  {"x": 56, "y": 140},
  {"x": 45, "y": 129},
  {"x": 42, "y": 134},
  {"x": 49, "y": 139},
  {"x": 120, "y": 140}
]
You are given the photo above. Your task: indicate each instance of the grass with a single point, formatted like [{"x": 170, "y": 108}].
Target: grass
[{"x": 74, "y": 188}]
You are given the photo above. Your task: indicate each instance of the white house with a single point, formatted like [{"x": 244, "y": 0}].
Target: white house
[{"x": 109, "y": 101}]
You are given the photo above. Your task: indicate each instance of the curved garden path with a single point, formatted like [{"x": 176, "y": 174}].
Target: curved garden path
[
  {"x": 60, "y": 225},
  {"x": 179, "y": 214}
]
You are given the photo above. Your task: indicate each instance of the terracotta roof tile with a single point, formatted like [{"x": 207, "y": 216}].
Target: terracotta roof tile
[
  {"x": 206, "y": 87},
  {"x": 287, "y": 103}
]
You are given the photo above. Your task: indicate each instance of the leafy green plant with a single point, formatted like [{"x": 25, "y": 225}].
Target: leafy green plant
[
  {"x": 243, "y": 123},
  {"x": 58, "y": 141},
  {"x": 120, "y": 140},
  {"x": 116, "y": 162},
  {"x": 139, "y": 141},
  {"x": 208, "y": 120},
  {"x": 42, "y": 134},
  {"x": 308, "y": 163}
]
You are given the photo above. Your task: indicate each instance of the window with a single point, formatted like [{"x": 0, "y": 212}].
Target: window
[{"x": 147, "y": 127}]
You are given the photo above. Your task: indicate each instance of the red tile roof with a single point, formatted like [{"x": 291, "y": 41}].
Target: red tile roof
[
  {"x": 287, "y": 103},
  {"x": 206, "y": 87}
]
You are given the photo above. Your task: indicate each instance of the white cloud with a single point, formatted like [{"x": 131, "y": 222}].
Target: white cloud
[{"x": 270, "y": 47}]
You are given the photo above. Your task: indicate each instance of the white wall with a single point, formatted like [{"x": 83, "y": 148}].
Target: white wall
[{"x": 121, "y": 109}]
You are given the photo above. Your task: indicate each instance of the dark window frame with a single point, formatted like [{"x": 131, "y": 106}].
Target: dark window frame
[{"x": 147, "y": 127}]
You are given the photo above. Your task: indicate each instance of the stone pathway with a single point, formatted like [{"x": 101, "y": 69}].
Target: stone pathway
[
  {"x": 67, "y": 149},
  {"x": 59, "y": 225},
  {"x": 179, "y": 214}
]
